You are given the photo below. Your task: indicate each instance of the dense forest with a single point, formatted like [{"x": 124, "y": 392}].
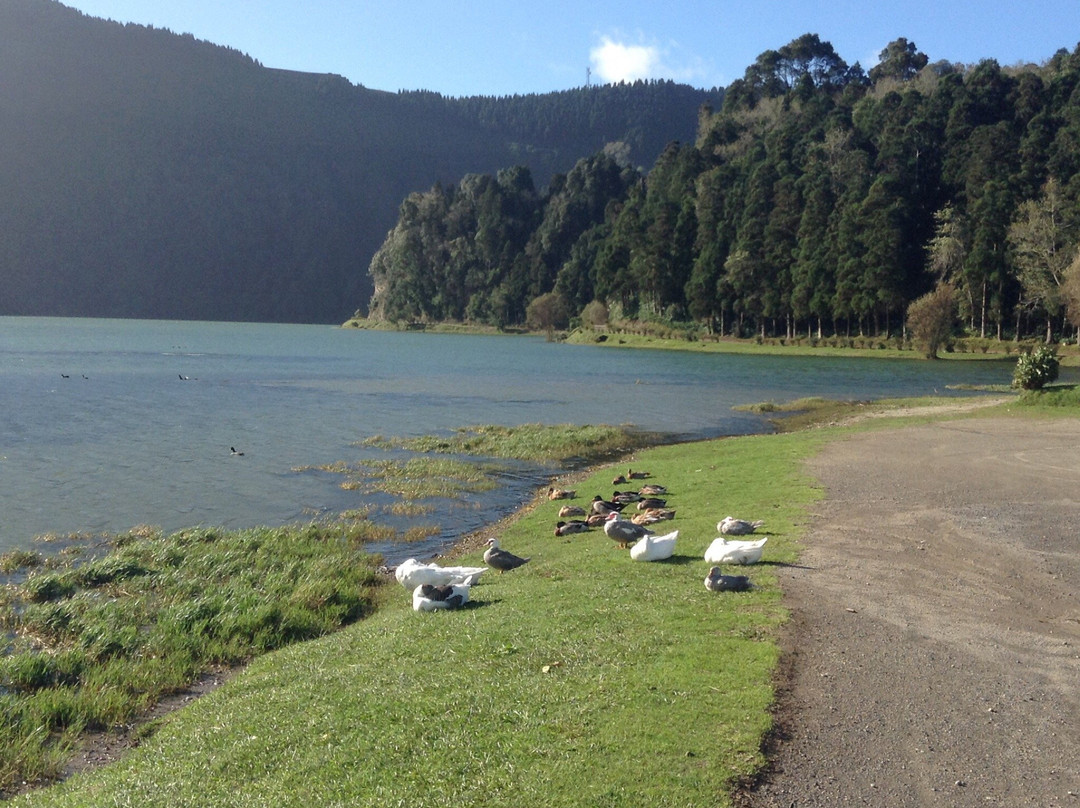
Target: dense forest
[
  {"x": 150, "y": 174},
  {"x": 817, "y": 199}
]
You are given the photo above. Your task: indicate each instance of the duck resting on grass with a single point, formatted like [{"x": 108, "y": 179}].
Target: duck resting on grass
[
  {"x": 573, "y": 526},
  {"x": 650, "y": 516},
  {"x": 566, "y": 511},
  {"x": 410, "y": 573},
  {"x": 429, "y": 598},
  {"x": 732, "y": 551},
  {"x": 652, "y": 490},
  {"x": 624, "y": 531},
  {"x": 730, "y": 526},
  {"x": 654, "y": 548},
  {"x": 651, "y": 502},
  {"x": 604, "y": 507},
  {"x": 499, "y": 559},
  {"x": 561, "y": 493},
  {"x": 716, "y": 581}
]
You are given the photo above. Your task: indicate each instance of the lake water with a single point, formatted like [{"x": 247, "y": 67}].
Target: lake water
[{"x": 107, "y": 424}]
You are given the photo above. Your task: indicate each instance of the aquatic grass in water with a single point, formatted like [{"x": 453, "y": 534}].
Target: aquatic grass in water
[
  {"x": 418, "y": 482},
  {"x": 533, "y": 442}
]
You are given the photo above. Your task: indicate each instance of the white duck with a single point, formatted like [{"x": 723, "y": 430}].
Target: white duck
[
  {"x": 429, "y": 598},
  {"x": 731, "y": 526},
  {"x": 716, "y": 581},
  {"x": 410, "y": 573},
  {"x": 654, "y": 548},
  {"x": 730, "y": 551},
  {"x": 623, "y": 530}
]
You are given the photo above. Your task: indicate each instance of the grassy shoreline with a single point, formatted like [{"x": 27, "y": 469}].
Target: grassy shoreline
[
  {"x": 683, "y": 338},
  {"x": 543, "y": 692}
]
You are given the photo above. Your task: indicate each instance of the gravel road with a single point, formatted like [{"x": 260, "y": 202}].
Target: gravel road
[{"x": 933, "y": 655}]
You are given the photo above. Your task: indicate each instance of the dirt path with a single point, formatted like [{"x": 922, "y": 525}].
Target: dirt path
[{"x": 933, "y": 656}]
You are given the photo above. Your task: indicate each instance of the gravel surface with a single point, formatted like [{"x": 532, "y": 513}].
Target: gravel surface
[{"x": 933, "y": 655}]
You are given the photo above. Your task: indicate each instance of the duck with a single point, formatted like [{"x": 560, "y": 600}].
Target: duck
[
  {"x": 620, "y": 480},
  {"x": 730, "y": 551},
  {"x": 561, "y": 493},
  {"x": 652, "y": 490},
  {"x": 410, "y": 573},
  {"x": 637, "y": 475},
  {"x": 731, "y": 526},
  {"x": 566, "y": 511},
  {"x": 234, "y": 453},
  {"x": 501, "y": 560},
  {"x": 654, "y": 548},
  {"x": 604, "y": 507},
  {"x": 652, "y": 515},
  {"x": 573, "y": 526},
  {"x": 624, "y": 531},
  {"x": 596, "y": 519},
  {"x": 429, "y": 597},
  {"x": 651, "y": 502},
  {"x": 625, "y": 497},
  {"x": 716, "y": 581}
]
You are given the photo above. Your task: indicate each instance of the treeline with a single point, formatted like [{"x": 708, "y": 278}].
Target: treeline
[
  {"x": 819, "y": 198},
  {"x": 150, "y": 174}
]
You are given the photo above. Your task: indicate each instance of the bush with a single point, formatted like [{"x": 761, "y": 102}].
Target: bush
[
  {"x": 931, "y": 318},
  {"x": 1036, "y": 369}
]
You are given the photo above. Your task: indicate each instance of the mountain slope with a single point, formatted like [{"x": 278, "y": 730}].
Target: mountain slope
[{"x": 154, "y": 175}]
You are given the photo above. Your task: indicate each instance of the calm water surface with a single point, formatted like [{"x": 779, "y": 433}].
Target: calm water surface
[{"x": 107, "y": 424}]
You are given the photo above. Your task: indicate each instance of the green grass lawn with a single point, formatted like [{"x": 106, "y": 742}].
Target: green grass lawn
[{"x": 583, "y": 678}]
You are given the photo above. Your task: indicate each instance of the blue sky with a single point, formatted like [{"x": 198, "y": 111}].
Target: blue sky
[{"x": 503, "y": 48}]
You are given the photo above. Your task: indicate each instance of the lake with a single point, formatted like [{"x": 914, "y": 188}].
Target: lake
[{"x": 108, "y": 424}]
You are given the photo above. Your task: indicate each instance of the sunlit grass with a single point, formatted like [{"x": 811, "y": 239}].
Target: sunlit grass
[
  {"x": 580, "y": 679},
  {"x": 96, "y": 643},
  {"x": 1052, "y": 397},
  {"x": 534, "y": 442}
]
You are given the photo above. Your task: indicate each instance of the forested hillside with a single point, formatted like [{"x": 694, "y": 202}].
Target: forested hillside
[
  {"x": 817, "y": 199},
  {"x": 149, "y": 174}
]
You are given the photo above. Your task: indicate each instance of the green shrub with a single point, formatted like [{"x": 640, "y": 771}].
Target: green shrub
[{"x": 1037, "y": 368}]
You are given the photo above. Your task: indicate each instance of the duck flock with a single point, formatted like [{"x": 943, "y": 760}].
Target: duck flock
[{"x": 436, "y": 587}]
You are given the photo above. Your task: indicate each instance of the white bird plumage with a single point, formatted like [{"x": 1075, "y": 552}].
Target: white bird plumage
[
  {"x": 410, "y": 573},
  {"x": 654, "y": 548},
  {"x": 429, "y": 598},
  {"x": 731, "y": 526},
  {"x": 730, "y": 551}
]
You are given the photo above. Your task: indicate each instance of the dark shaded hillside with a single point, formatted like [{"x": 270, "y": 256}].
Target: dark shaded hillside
[{"x": 147, "y": 174}]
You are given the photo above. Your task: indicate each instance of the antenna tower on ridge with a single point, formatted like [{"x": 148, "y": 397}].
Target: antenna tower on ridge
[{"x": 588, "y": 77}]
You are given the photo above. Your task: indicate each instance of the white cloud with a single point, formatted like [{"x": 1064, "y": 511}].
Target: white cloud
[{"x": 616, "y": 61}]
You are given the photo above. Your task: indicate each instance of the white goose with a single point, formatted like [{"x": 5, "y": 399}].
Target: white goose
[
  {"x": 654, "y": 548},
  {"x": 410, "y": 573},
  {"x": 730, "y": 551},
  {"x": 429, "y": 598}
]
